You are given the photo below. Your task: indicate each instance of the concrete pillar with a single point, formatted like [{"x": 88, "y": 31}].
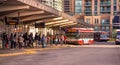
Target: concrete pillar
[
  {"x": 118, "y": 5},
  {"x": 83, "y": 8},
  {"x": 93, "y": 7},
  {"x": 98, "y": 7},
  {"x": 112, "y": 8}
]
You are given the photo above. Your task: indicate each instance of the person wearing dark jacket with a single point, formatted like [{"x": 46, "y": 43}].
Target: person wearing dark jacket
[
  {"x": 36, "y": 39},
  {"x": 31, "y": 40},
  {"x": 4, "y": 39},
  {"x": 26, "y": 39},
  {"x": 12, "y": 40}
]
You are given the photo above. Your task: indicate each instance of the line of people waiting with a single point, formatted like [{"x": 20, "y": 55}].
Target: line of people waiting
[{"x": 27, "y": 40}]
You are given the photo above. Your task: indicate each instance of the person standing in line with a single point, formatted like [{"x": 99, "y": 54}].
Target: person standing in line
[
  {"x": 56, "y": 40},
  {"x": 31, "y": 40},
  {"x": 7, "y": 41},
  {"x": 48, "y": 39},
  {"x": 59, "y": 39},
  {"x": 43, "y": 41},
  {"x": 4, "y": 38},
  {"x": 26, "y": 39},
  {"x": 15, "y": 40},
  {"x": 20, "y": 41},
  {"x": 36, "y": 39},
  {"x": 12, "y": 40},
  {"x": 51, "y": 40},
  {"x": 65, "y": 39},
  {"x": 62, "y": 39},
  {"x": 39, "y": 39}
]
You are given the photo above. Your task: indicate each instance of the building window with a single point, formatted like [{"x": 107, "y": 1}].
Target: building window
[
  {"x": 78, "y": 10},
  {"x": 88, "y": 21},
  {"x": 96, "y": 1},
  {"x": 107, "y": 28},
  {"x": 96, "y": 28},
  {"x": 103, "y": 28},
  {"x": 115, "y": 8},
  {"x": 96, "y": 21},
  {"x": 105, "y": 21},
  {"x": 78, "y": 6}
]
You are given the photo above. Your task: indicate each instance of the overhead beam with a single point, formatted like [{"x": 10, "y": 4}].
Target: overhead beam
[
  {"x": 25, "y": 13},
  {"x": 68, "y": 25},
  {"x": 35, "y": 17},
  {"x": 13, "y": 7},
  {"x": 65, "y": 23},
  {"x": 57, "y": 22},
  {"x": 32, "y": 21},
  {"x": 3, "y": 14},
  {"x": 53, "y": 19},
  {"x": 60, "y": 24}
]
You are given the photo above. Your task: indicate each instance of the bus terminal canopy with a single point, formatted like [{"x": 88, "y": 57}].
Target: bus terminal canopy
[{"x": 31, "y": 11}]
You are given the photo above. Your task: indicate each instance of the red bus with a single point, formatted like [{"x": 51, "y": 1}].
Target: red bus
[{"x": 80, "y": 35}]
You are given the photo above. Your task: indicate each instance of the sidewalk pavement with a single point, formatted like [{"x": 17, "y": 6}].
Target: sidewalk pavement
[{"x": 17, "y": 51}]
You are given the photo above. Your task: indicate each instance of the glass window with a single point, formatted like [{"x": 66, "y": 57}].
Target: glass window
[
  {"x": 96, "y": 21},
  {"x": 78, "y": 6},
  {"x": 96, "y": 28},
  {"x": 103, "y": 28},
  {"x": 115, "y": 8},
  {"x": 78, "y": 10},
  {"x": 107, "y": 28},
  {"x": 96, "y": 2},
  {"x": 105, "y": 21},
  {"x": 95, "y": 8},
  {"x": 78, "y": 3},
  {"x": 88, "y": 21}
]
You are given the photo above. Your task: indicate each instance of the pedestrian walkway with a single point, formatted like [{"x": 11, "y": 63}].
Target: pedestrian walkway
[{"x": 15, "y": 52}]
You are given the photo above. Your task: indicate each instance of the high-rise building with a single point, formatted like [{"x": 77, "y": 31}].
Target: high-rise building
[
  {"x": 99, "y": 13},
  {"x": 57, "y": 4}
]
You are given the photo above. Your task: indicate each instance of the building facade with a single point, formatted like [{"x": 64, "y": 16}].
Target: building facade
[
  {"x": 99, "y": 13},
  {"x": 57, "y": 4}
]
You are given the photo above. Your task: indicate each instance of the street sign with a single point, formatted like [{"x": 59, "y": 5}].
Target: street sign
[
  {"x": 40, "y": 25},
  {"x": 11, "y": 20}
]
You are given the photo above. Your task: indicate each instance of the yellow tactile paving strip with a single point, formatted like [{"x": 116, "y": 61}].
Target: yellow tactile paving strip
[
  {"x": 18, "y": 53},
  {"x": 30, "y": 51}
]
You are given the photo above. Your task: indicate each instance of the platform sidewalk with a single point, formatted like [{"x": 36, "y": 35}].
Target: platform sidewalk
[{"x": 17, "y": 51}]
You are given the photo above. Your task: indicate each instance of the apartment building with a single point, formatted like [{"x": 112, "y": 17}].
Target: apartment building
[
  {"x": 57, "y": 4},
  {"x": 99, "y": 13}
]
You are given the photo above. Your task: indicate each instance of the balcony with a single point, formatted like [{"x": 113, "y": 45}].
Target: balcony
[
  {"x": 105, "y": 4},
  {"x": 88, "y": 14},
  {"x": 88, "y": 4},
  {"x": 105, "y": 10},
  {"x": 88, "y": 10}
]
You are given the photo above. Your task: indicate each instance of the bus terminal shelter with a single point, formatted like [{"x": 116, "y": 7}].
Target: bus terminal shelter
[{"x": 23, "y": 15}]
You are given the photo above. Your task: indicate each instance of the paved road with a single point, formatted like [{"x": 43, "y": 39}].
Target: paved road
[
  {"x": 104, "y": 43},
  {"x": 78, "y": 55}
]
